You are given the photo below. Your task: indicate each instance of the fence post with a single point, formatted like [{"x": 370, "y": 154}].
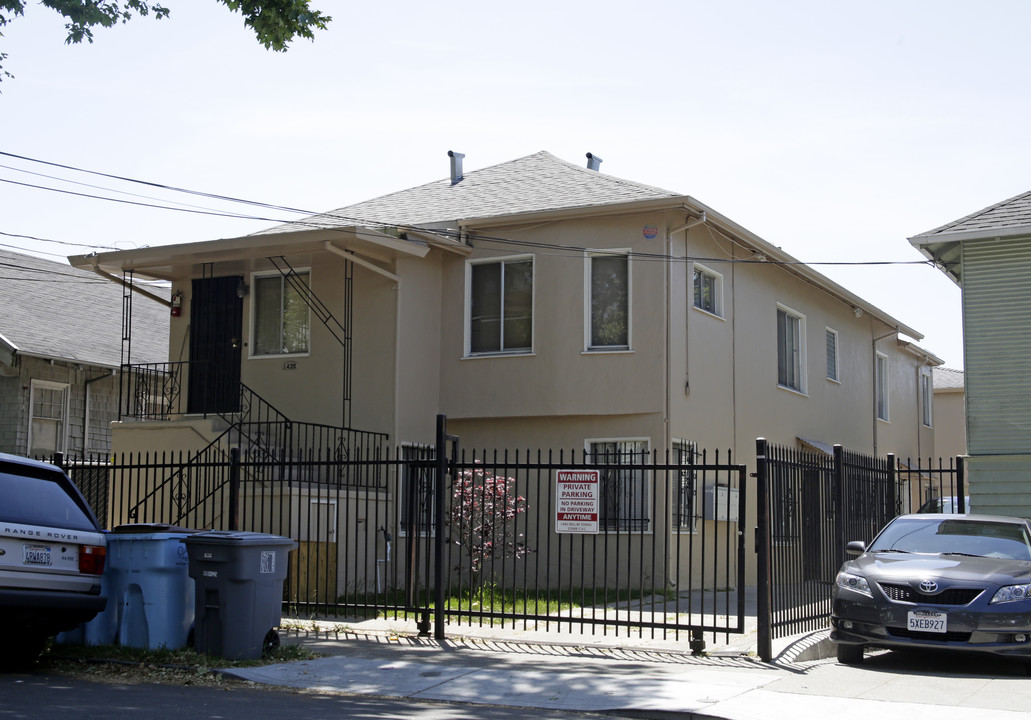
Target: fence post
[
  {"x": 438, "y": 530},
  {"x": 895, "y": 483},
  {"x": 762, "y": 548},
  {"x": 961, "y": 485},
  {"x": 59, "y": 460},
  {"x": 839, "y": 500},
  {"x": 234, "y": 488}
]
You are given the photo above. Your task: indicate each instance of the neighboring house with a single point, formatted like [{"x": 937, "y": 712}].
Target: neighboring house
[
  {"x": 950, "y": 430},
  {"x": 538, "y": 304},
  {"x": 60, "y": 352},
  {"x": 988, "y": 254}
]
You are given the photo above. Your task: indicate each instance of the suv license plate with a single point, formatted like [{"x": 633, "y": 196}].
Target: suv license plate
[
  {"x": 932, "y": 622},
  {"x": 37, "y": 555}
]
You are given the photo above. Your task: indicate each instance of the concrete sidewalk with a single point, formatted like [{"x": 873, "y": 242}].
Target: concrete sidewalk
[{"x": 643, "y": 677}]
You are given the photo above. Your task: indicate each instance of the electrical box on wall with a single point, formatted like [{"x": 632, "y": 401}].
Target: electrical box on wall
[{"x": 720, "y": 503}]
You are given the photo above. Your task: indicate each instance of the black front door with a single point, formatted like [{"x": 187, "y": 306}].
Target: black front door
[{"x": 216, "y": 331}]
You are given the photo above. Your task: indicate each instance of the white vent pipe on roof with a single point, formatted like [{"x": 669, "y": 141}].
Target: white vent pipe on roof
[{"x": 456, "y": 166}]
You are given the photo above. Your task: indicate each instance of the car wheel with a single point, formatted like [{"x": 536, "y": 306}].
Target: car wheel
[
  {"x": 23, "y": 649},
  {"x": 850, "y": 654}
]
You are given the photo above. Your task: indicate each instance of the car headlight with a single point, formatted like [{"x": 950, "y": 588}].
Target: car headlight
[
  {"x": 1011, "y": 593},
  {"x": 853, "y": 582}
]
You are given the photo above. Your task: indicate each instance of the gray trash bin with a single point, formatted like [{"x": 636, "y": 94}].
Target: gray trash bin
[{"x": 238, "y": 577}]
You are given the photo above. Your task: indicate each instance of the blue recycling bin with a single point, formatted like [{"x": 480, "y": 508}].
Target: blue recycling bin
[{"x": 150, "y": 594}]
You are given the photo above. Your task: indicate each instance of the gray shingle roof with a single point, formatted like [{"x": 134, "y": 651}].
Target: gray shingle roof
[
  {"x": 50, "y": 309},
  {"x": 534, "y": 183},
  {"x": 947, "y": 379},
  {"x": 1012, "y": 213}
]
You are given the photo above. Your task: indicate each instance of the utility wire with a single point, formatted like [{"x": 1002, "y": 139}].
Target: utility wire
[{"x": 324, "y": 221}]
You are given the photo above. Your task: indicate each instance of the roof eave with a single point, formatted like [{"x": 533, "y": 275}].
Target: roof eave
[
  {"x": 945, "y": 248},
  {"x": 156, "y": 262},
  {"x": 800, "y": 269},
  {"x": 7, "y": 351}
]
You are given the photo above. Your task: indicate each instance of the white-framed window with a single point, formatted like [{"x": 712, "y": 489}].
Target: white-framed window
[
  {"x": 625, "y": 504},
  {"x": 832, "y": 355},
  {"x": 926, "y": 397},
  {"x": 48, "y": 418},
  {"x": 687, "y": 509},
  {"x": 790, "y": 349},
  {"x": 499, "y": 306},
  {"x": 608, "y": 300},
  {"x": 281, "y": 318},
  {"x": 881, "y": 389},
  {"x": 708, "y": 290}
]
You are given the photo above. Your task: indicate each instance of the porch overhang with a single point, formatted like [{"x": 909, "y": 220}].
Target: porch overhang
[{"x": 170, "y": 262}]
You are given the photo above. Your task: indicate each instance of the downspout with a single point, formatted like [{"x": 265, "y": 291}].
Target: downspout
[
  {"x": 350, "y": 257},
  {"x": 698, "y": 220},
  {"x": 668, "y": 440},
  {"x": 85, "y": 409}
]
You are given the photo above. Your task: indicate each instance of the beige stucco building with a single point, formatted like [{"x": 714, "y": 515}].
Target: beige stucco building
[
  {"x": 537, "y": 304},
  {"x": 950, "y": 429}
]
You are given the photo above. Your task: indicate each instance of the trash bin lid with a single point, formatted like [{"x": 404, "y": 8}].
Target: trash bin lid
[
  {"x": 152, "y": 528},
  {"x": 236, "y": 538}
]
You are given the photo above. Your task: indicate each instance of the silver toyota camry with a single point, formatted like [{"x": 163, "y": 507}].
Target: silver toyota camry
[{"x": 955, "y": 582}]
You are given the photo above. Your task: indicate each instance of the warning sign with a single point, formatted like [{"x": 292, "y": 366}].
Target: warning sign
[{"x": 577, "y": 500}]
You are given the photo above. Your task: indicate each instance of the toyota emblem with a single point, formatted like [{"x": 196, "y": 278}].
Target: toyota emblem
[{"x": 929, "y": 586}]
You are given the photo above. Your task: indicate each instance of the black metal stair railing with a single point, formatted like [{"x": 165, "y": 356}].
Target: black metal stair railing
[{"x": 264, "y": 435}]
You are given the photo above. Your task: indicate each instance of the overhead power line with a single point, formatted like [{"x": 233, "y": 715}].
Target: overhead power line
[{"x": 332, "y": 221}]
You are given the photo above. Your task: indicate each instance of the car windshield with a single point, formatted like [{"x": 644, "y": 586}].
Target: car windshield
[
  {"x": 38, "y": 501},
  {"x": 955, "y": 536}
]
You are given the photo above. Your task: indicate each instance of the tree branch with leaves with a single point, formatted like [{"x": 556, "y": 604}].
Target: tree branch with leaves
[
  {"x": 275, "y": 23},
  {"x": 481, "y": 519}
]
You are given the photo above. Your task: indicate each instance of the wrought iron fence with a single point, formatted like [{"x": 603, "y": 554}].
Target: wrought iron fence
[
  {"x": 471, "y": 537},
  {"x": 810, "y": 505}
]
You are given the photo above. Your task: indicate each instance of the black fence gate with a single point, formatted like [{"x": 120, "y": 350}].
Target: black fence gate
[
  {"x": 810, "y": 505},
  {"x": 610, "y": 542}
]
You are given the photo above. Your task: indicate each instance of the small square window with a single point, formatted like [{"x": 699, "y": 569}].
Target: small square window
[
  {"x": 281, "y": 314},
  {"x": 625, "y": 503},
  {"x": 500, "y": 306}
]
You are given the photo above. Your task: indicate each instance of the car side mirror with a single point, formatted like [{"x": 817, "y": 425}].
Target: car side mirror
[{"x": 856, "y": 547}]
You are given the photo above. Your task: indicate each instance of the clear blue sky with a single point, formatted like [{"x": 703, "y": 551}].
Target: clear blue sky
[{"x": 833, "y": 130}]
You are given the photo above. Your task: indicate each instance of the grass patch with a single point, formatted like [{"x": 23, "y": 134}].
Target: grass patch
[
  {"x": 184, "y": 666},
  {"x": 468, "y": 603}
]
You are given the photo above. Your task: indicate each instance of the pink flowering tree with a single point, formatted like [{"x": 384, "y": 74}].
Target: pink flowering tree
[{"x": 481, "y": 519}]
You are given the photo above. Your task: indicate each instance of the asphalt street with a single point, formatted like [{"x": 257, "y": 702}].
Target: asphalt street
[{"x": 46, "y": 697}]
